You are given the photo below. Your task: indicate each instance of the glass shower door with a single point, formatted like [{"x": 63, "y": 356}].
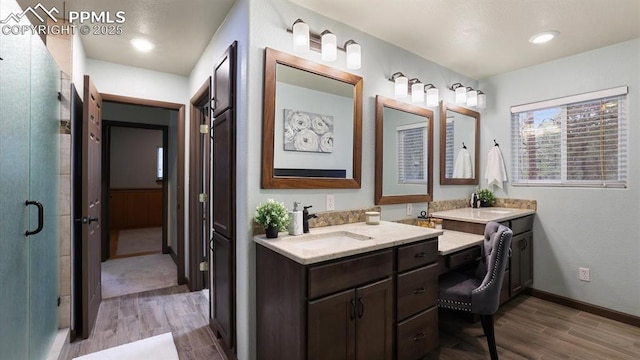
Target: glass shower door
[{"x": 29, "y": 122}]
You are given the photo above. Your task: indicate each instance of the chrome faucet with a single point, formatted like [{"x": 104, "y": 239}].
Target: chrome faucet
[{"x": 305, "y": 218}]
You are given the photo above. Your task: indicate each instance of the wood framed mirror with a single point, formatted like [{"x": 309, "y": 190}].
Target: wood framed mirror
[
  {"x": 311, "y": 125},
  {"x": 459, "y": 145},
  {"x": 404, "y": 153}
]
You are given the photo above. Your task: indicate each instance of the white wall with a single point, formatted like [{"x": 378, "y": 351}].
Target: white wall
[
  {"x": 79, "y": 64},
  {"x": 574, "y": 227}
]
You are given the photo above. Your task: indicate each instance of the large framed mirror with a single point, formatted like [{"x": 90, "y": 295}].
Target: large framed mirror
[
  {"x": 404, "y": 153},
  {"x": 311, "y": 125},
  {"x": 459, "y": 145}
]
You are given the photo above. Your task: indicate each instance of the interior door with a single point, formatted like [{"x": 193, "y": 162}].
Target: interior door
[{"x": 91, "y": 205}]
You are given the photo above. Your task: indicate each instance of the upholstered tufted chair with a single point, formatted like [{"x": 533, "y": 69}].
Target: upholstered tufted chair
[{"x": 479, "y": 293}]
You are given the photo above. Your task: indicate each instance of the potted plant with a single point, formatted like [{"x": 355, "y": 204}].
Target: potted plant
[
  {"x": 273, "y": 216},
  {"x": 486, "y": 197}
]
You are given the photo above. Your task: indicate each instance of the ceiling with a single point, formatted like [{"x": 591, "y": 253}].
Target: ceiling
[{"x": 477, "y": 38}]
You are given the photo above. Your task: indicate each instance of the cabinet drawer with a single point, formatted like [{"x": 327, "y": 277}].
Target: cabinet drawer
[
  {"x": 417, "y": 290},
  {"x": 520, "y": 225},
  {"x": 463, "y": 257},
  {"x": 417, "y": 255},
  {"x": 341, "y": 275},
  {"x": 418, "y": 335}
]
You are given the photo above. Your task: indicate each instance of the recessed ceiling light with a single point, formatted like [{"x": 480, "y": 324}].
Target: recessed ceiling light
[
  {"x": 142, "y": 45},
  {"x": 543, "y": 37}
]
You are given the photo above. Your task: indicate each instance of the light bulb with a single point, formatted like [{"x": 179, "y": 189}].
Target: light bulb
[
  {"x": 417, "y": 92},
  {"x": 433, "y": 96},
  {"x": 461, "y": 95},
  {"x": 402, "y": 84},
  {"x": 472, "y": 98}
]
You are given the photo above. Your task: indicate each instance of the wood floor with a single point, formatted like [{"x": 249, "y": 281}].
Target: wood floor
[
  {"x": 531, "y": 328},
  {"x": 526, "y": 328},
  {"x": 137, "y": 316}
]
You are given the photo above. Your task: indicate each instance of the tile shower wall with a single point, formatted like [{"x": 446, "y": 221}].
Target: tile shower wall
[{"x": 64, "y": 310}]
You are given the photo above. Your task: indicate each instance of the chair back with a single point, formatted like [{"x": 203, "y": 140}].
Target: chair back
[{"x": 495, "y": 252}]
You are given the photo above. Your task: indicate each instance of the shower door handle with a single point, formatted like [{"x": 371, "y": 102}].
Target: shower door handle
[{"x": 40, "y": 217}]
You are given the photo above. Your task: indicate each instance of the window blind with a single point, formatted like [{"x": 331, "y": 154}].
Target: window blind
[
  {"x": 411, "y": 159},
  {"x": 580, "y": 143}
]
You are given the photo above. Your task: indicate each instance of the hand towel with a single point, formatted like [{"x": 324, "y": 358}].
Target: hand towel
[
  {"x": 495, "y": 172},
  {"x": 462, "y": 168}
]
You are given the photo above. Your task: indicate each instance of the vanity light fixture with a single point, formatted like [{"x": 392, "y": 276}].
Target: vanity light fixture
[
  {"x": 401, "y": 84},
  {"x": 461, "y": 93},
  {"x": 417, "y": 90},
  {"x": 472, "y": 97},
  {"x": 329, "y": 46},
  {"x": 300, "y": 31},
  {"x": 482, "y": 100},
  {"x": 433, "y": 96},
  {"x": 326, "y": 43},
  {"x": 354, "y": 54}
]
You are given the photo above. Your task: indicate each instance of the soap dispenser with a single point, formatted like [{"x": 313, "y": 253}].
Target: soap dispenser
[{"x": 295, "y": 225}]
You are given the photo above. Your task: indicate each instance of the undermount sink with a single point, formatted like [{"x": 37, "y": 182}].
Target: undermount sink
[{"x": 326, "y": 240}]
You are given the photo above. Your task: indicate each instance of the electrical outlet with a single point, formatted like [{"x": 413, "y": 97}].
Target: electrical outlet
[
  {"x": 583, "y": 274},
  {"x": 409, "y": 209},
  {"x": 331, "y": 202}
]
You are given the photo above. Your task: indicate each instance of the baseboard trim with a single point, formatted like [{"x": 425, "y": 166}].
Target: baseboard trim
[
  {"x": 583, "y": 306},
  {"x": 173, "y": 255}
]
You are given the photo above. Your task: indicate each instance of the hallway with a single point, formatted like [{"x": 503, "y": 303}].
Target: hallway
[
  {"x": 137, "y": 274},
  {"x": 134, "y": 317}
]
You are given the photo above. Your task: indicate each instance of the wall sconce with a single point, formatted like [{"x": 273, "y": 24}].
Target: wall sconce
[
  {"x": 461, "y": 93},
  {"x": 416, "y": 88},
  {"x": 326, "y": 43},
  {"x": 401, "y": 84},
  {"x": 472, "y": 97},
  {"x": 433, "y": 95},
  {"x": 354, "y": 54},
  {"x": 482, "y": 100},
  {"x": 300, "y": 32}
]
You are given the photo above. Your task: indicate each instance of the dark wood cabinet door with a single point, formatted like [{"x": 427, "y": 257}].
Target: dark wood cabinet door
[
  {"x": 224, "y": 81},
  {"x": 331, "y": 327},
  {"x": 222, "y": 297},
  {"x": 515, "y": 264},
  {"x": 374, "y": 325},
  {"x": 223, "y": 170},
  {"x": 526, "y": 260}
]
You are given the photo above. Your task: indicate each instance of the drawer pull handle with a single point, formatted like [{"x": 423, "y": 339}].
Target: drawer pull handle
[
  {"x": 420, "y": 254},
  {"x": 419, "y": 291},
  {"x": 352, "y": 311},
  {"x": 468, "y": 257},
  {"x": 419, "y": 337}
]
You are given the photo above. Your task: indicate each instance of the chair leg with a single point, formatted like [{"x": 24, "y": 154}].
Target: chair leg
[{"x": 487, "y": 326}]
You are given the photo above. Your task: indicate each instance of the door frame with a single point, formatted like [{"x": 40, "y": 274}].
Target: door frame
[
  {"x": 106, "y": 180},
  {"x": 196, "y": 172},
  {"x": 178, "y": 253}
]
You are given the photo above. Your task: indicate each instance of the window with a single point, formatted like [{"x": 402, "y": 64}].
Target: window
[
  {"x": 411, "y": 152},
  {"x": 159, "y": 165},
  {"x": 573, "y": 141}
]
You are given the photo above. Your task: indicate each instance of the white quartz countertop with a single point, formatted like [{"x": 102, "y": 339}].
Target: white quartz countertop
[
  {"x": 333, "y": 242},
  {"x": 451, "y": 241},
  {"x": 482, "y": 215}
]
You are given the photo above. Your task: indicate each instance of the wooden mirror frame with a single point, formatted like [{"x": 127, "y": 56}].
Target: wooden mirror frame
[
  {"x": 380, "y": 198},
  {"x": 444, "y": 106},
  {"x": 269, "y": 180}
]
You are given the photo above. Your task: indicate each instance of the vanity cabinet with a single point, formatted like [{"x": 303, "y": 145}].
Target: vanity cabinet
[
  {"x": 341, "y": 309},
  {"x": 375, "y": 305}
]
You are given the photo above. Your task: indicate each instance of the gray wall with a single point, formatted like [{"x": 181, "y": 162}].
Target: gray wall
[
  {"x": 133, "y": 158},
  {"x": 578, "y": 227}
]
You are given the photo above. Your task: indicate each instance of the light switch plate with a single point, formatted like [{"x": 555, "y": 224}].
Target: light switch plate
[
  {"x": 331, "y": 203},
  {"x": 409, "y": 209}
]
